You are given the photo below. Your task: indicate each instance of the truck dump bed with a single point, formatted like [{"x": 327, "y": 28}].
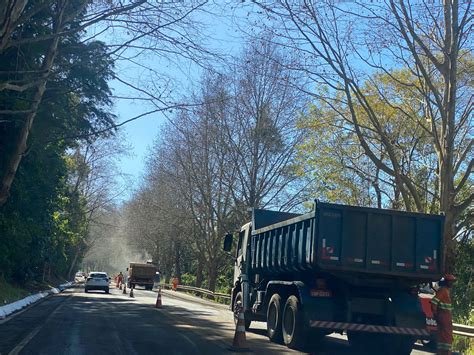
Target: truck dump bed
[
  {"x": 142, "y": 271},
  {"x": 340, "y": 238}
]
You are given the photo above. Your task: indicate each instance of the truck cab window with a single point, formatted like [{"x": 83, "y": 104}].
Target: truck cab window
[{"x": 240, "y": 243}]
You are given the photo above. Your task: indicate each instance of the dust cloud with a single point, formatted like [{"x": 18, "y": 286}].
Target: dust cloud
[{"x": 109, "y": 248}]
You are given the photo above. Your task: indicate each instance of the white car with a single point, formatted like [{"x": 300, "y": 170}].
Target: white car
[
  {"x": 80, "y": 277},
  {"x": 97, "y": 281}
]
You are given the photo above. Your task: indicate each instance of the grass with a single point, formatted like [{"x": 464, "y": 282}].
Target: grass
[{"x": 10, "y": 293}]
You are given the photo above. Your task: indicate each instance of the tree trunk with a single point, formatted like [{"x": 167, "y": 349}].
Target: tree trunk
[
  {"x": 20, "y": 146},
  {"x": 45, "y": 265},
  {"x": 212, "y": 277},
  {"x": 448, "y": 240},
  {"x": 177, "y": 262},
  {"x": 199, "y": 274},
  {"x": 73, "y": 264},
  {"x": 9, "y": 14}
]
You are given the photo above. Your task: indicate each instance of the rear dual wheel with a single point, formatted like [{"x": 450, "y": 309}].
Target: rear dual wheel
[{"x": 294, "y": 330}]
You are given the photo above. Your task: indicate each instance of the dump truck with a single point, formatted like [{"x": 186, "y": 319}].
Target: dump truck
[
  {"x": 339, "y": 268},
  {"x": 141, "y": 274}
]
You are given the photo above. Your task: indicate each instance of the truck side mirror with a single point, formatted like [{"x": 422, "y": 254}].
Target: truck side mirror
[{"x": 228, "y": 242}]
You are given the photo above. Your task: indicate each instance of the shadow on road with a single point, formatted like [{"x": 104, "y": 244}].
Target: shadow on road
[{"x": 115, "y": 323}]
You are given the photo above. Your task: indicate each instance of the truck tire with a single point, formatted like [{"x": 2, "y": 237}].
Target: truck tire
[
  {"x": 293, "y": 328},
  {"x": 274, "y": 319},
  {"x": 238, "y": 301}
]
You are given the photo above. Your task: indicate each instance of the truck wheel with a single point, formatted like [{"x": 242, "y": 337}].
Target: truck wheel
[
  {"x": 238, "y": 304},
  {"x": 293, "y": 327},
  {"x": 274, "y": 315}
]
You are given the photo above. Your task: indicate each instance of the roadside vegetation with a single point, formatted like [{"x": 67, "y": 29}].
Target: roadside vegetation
[
  {"x": 59, "y": 143},
  {"x": 10, "y": 293}
]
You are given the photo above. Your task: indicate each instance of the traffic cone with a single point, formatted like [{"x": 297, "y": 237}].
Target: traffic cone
[
  {"x": 131, "y": 292},
  {"x": 158, "y": 303},
  {"x": 240, "y": 340},
  {"x": 124, "y": 289}
]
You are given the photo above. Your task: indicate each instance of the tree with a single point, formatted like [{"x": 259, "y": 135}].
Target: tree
[
  {"x": 95, "y": 178},
  {"x": 344, "y": 45},
  {"x": 40, "y": 28},
  {"x": 44, "y": 221},
  {"x": 197, "y": 147},
  {"x": 262, "y": 135},
  {"x": 232, "y": 148}
]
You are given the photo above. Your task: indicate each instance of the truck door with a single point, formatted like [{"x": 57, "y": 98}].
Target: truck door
[
  {"x": 240, "y": 266},
  {"x": 239, "y": 256}
]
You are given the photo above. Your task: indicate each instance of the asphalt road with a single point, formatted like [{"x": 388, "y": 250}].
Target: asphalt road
[{"x": 74, "y": 322}]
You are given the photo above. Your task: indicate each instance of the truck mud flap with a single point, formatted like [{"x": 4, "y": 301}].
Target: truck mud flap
[{"x": 370, "y": 328}]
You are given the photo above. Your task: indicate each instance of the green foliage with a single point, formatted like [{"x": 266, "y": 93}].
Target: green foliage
[
  {"x": 188, "y": 279},
  {"x": 463, "y": 290},
  {"x": 10, "y": 293},
  {"x": 325, "y": 158},
  {"x": 43, "y": 223}
]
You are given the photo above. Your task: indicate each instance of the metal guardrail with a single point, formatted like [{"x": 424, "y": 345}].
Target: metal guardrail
[
  {"x": 463, "y": 330},
  {"x": 199, "y": 290}
]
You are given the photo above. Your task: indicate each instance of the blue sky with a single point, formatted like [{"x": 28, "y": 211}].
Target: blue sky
[{"x": 222, "y": 35}]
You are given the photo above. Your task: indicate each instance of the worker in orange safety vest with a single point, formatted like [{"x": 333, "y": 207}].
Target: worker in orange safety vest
[
  {"x": 175, "y": 283},
  {"x": 442, "y": 311},
  {"x": 119, "y": 279}
]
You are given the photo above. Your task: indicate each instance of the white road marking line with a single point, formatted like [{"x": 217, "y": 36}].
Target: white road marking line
[
  {"x": 25, "y": 341},
  {"x": 16, "y": 350}
]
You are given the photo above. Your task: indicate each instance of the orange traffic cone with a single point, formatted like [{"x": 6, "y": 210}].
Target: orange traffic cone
[
  {"x": 240, "y": 340},
  {"x": 158, "y": 303},
  {"x": 131, "y": 292}
]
